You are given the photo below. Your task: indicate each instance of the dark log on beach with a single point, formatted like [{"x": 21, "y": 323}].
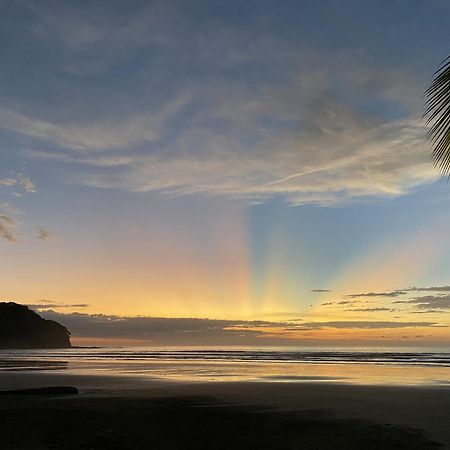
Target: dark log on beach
[{"x": 51, "y": 390}]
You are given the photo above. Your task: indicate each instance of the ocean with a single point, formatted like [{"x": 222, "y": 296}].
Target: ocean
[{"x": 421, "y": 367}]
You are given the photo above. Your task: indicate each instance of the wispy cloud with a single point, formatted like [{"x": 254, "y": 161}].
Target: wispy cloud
[
  {"x": 365, "y": 325},
  {"x": 400, "y": 292},
  {"x": 308, "y": 132},
  {"x": 22, "y": 180},
  {"x": 9, "y": 229},
  {"x": 395, "y": 293},
  {"x": 327, "y": 168},
  {"x": 431, "y": 288},
  {"x": 43, "y": 233},
  {"x": 8, "y": 208},
  {"x": 26, "y": 182},
  {"x": 361, "y": 302},
  {"x": 429, "y": 302},
  {"x": 369, "y": 309},
  {"x": 7, "y": 181},
  {"x": 54, "y": 305},
  {"x": 9, "y": 223}
]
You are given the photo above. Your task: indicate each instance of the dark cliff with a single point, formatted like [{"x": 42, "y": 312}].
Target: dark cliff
[{"x": 20, "y": 327}]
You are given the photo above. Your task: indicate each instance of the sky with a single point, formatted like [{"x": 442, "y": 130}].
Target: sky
[{"x": 239, "y": 172}]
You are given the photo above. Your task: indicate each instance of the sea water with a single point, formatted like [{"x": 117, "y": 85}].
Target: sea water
[{"x": 429, "y": 367}]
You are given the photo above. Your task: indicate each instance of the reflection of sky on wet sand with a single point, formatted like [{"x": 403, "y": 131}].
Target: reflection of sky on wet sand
[
  {"x": 291, "y": 372},
  {"x": 27, "y": 364},
  {"x": 425, "y": 369}
]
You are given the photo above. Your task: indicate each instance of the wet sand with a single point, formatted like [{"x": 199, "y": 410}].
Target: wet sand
[{"x": 128, "y": 413}]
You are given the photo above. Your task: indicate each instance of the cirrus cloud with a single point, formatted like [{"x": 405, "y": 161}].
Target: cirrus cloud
[{"x": 225, "y": 111}]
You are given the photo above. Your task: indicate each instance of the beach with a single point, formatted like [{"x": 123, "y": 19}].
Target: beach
[
  {"x": 128, "y": 413},
  {"x": 224, "y": 225}
]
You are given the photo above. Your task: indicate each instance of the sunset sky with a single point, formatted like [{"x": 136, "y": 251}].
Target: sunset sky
[{"x": 258, "y": 162}]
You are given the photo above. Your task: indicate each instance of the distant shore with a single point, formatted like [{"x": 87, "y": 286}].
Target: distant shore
[{"x": 129, "y": 413}]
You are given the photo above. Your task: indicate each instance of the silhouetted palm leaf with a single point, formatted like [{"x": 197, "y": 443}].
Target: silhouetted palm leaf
[{"x": 438, "y": 117}]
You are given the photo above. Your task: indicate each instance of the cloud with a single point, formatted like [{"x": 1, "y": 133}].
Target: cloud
[
  {"x": 364, "y": 325},
  {"x": 22, "y": 179},
  {"x": 431, "y": 288},
  {"x": 226, "y": 111},
  {"x": 43, "y": 233},
  {"x": 9, "y": 229},
  {"x": 154, "y": 328},
  {"x": 9, "y": 225},
  {"x": 342, "y": 302},
  {"x": 104, "y": 134},
  {"x": 401, "y": 292},
  {"x": 320, "y": 290},
  {"x": 50, "y": 305},
  {"x": 374, "y": 309},
  {"x": 201, "y": 330},
  {"x": 327, "y": 168},
  {"x": 395, "y": 293},
  {"x": 7, "y": 181},
  {"x": 26, "y": 182},
  {"x": 429, "y": 302},
  {"x": 8, "y": 208}
]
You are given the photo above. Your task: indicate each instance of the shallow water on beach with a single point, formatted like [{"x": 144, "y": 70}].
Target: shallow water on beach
[{"x": 373, "y": 367}]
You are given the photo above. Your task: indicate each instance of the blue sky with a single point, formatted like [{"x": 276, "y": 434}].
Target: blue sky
[{"x": 219, "y": 159}]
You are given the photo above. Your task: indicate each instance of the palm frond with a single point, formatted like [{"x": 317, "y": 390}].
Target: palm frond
[{"x": 437, "y": 113}]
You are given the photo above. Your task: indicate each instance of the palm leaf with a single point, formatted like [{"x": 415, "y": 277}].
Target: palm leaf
[{"x": 437, "y": 112}]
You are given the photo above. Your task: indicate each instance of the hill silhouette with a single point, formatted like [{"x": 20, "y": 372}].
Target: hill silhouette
[{"x": 20, "y": 327}]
